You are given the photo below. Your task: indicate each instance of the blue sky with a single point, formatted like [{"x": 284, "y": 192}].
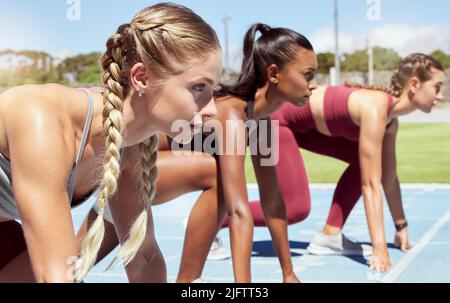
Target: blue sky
[{"x": 405, "y": 25}]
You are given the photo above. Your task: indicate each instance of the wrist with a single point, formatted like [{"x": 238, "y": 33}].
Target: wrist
[
  {"x": 380, "y": 246},
  {"x": 401, "y": 225},
  {"x": 288, "y": 273}
]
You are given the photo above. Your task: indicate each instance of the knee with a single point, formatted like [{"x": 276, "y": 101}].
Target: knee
[
  {"x": 298, "y": 211},
  {"x": 208, "y": 175}
]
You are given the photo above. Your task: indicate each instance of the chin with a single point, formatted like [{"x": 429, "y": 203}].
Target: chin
[
  {"x": 426, "y": 110},
  {"x": 300, "y": 102}
]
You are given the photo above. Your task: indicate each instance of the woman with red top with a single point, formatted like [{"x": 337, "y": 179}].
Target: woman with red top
[{"x": 357, "y": 125}]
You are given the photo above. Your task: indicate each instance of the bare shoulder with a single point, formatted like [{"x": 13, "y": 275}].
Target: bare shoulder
[
  {"x": 31, "y": 99},
  {"x": 27, "y": 113},
  {"x": 372, "y": 100},
  {"x": 231, "y": 108},
  {"x": 29, "y": 107}
]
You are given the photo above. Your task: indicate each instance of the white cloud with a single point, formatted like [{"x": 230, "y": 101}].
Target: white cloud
[
  {"x": 323, "y": 41},
  {"x": 404, "y": 39}
]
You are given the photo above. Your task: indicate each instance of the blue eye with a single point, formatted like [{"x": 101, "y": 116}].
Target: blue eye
[{"x": 198, "y": 87}]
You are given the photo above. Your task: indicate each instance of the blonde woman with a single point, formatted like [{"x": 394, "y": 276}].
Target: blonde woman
[{"x": 58, "y": 144}]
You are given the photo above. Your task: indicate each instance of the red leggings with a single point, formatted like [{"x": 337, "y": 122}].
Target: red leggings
[{"x": 293, "y": 180}]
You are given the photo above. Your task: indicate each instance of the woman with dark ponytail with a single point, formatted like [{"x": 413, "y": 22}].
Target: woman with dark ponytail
[
  {"x": 358, "y": 125},
  {"x": 278, "y": 67}
]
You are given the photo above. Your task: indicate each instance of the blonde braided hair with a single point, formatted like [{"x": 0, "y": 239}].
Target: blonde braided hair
[
  {"x": 417, "y": 64},
  {"x": 165, "y": 37}
]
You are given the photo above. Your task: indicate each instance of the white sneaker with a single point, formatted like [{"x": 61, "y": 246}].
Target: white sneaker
[
  {"x": 218, "y": 252},
  {"x": 323, "y": 245}
]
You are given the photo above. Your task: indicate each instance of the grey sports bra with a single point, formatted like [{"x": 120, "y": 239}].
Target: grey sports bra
[
  {"x": 86, "y": 128},
  {"x": 8, "y": 207}
]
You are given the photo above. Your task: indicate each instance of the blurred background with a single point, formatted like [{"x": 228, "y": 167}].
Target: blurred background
[{"x": 356, "y": 40}]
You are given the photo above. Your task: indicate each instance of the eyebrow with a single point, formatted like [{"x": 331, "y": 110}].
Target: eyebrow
[{"x": 209, "y": 80}]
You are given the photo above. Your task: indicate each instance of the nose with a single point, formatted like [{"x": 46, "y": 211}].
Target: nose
[
  {"x": 312, "y": 85},
  {"x": 440, "y": 96},
  {"x": 210, "y": 110}
]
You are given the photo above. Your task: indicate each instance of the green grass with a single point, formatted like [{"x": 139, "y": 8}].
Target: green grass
[{"x": 423, "y": 156}]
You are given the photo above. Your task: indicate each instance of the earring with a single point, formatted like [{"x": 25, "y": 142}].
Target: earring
[{"x": 140, "y": 92}]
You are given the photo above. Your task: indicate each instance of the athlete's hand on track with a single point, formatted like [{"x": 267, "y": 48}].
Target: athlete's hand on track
[
  {"x": 379, "y": 261},
  {"x": 401, "y": 240},
  {"x": 291, "y": 278}
]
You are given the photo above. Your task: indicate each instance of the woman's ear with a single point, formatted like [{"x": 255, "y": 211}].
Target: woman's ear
[
  {"x": 139, "y": 77},
  {"x": 414, "y": 84},
  {"x": 272, "y": 73}
]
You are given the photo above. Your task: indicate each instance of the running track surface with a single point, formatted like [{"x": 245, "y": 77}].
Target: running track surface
[{"x": 428, "y": 213}]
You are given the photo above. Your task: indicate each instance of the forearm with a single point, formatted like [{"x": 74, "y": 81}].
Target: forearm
[
  {"x": 394, "y": 198},
  {"x": 276, "y": 219},
  {"x": 51, "y": 261},
  {"x": 241, "y": 236},
  {"x": 147, "y": 267},
  {"x": 373, "y": 203}
]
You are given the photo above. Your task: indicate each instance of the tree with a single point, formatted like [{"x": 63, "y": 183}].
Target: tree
[
  {"x": 326, "y": 61},
  {"x": 442, "y": 57},
  {"x": 31, "y": 67},
  {"x": 85, "y": 68},
  {"x": 384, "y": 59},
  {"x": 355, "y": 62}
]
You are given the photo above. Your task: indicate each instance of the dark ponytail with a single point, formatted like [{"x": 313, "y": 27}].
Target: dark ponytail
[{"x": 274, "y": 46}]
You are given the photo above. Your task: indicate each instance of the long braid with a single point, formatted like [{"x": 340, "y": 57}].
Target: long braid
[
  {"x": 165, "y": 37},
  {"x": 149, "y": 152},
  {"x": 389, "y": 90},
  {"x": 113, "y": 127}
]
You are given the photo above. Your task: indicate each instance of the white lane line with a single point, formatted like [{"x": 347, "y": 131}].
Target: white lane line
[
  {"x": 417, "y": 248},
  {"x": 404, "y": 186},
  {"x": 107, "y": 275}
]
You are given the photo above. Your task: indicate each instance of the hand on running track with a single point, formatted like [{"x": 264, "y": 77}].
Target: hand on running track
[
  {"x": 379, "y": 261},
  {"x": 291, "y": 278},
  {"x": 402, "y": 240}
]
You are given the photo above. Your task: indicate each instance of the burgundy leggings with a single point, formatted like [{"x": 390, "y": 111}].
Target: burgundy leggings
[
  {"x": 12, "y": 242},
  {"x": 293, "y": 180}
]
